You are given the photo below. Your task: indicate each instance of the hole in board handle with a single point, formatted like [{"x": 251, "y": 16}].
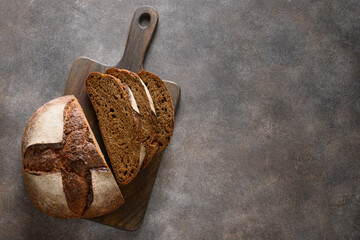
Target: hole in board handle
[{"x": 144, "y": 20}]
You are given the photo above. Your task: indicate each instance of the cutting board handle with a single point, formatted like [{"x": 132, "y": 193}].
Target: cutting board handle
[{"x": 142, "y": 28}]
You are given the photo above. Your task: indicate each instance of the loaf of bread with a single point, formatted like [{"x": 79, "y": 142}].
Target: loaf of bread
[
  {"x": 146, "y": 108},
  {"x": 119, "y": 122},
  {"x": 65, "y": 174},
  {"x": 163, "y": 108}
]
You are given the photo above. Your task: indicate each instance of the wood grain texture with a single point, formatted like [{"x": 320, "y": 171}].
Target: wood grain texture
[
  {"x": 137, "y": 193},
  {"x": 139, "y": 39}
]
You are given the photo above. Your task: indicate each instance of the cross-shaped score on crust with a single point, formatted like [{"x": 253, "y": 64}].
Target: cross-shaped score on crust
[{"x": 74, "y": 158}]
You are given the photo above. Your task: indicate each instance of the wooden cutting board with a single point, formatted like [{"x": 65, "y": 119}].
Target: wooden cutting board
[{"x": 137, "y": 193}]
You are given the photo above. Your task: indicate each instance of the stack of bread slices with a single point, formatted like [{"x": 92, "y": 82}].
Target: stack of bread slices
[{"x": 65, "y": 172}]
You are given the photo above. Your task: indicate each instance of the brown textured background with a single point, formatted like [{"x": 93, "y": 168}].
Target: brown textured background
[{"x": 266, "y": 143}]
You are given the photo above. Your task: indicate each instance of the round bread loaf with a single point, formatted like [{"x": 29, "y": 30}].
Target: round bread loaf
[
  {"x": 163, "y": 107},
  {"x": 65, "y": 173},
  {"x": 146, "y": 108}
]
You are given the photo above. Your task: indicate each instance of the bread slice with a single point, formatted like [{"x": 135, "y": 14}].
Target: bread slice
[
  {"x": 118, "y": 116},
  {"x": 146, "y": 108},
  {"x": 65, "y": 173},
  {"x": 163, "y": 108}
]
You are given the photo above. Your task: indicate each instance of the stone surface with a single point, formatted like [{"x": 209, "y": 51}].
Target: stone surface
[{"x": 266, "y": 141}]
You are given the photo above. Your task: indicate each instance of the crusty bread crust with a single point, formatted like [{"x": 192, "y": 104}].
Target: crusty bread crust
[
  {"x": 46, "y": 124},
  {"x": 47, "y": 163},
  {"x": 46, "y": 193},
  {"x": 103, "y": 183}
]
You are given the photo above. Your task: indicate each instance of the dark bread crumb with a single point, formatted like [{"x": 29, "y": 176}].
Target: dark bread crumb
[
  {"x": 119, "y": 124},
  {"x": 148, "y": 118},
  {"x": 163, "y": 106}
]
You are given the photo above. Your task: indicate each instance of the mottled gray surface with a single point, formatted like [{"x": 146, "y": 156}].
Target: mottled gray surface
[{"x": 266, "y": 143}]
